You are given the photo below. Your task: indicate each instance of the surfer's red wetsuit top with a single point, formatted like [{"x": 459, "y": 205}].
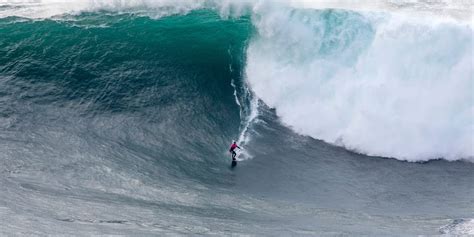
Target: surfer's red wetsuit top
[{"x": 233, "y": 146}]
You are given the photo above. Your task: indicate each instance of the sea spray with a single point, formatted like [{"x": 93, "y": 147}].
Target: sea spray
[{"x": 378, "y": 84}]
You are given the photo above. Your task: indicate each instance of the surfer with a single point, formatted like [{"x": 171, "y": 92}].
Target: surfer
[{"x": 232, "y": 149}]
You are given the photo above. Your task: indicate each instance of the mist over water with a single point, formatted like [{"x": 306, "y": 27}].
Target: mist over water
[{"x": 116, "y": 117}]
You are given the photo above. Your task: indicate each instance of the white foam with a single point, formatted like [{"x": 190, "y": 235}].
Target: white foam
[
  {"x": 460, "y": 10},
  {"x": 459, "y": 227},
  {"x": 50, "y": 8},
  {"x": 380, "y": 84}
]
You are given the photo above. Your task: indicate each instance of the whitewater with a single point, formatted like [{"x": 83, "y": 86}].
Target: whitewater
[
  {"x": 356, "y": 118},
  {"x": 381, "y": 85}
]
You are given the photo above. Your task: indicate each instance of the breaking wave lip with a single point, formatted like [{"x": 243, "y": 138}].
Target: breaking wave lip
[{"x": 457, "y": 10}]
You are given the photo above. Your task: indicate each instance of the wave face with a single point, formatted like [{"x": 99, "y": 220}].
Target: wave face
[
  {"x": 378, "y": 84},
  {"x": 123, "y": 87},
  {"x": 116, "y": 116}
]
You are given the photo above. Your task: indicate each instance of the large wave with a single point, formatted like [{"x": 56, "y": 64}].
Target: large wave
[
  {"x": 116, "y": 116},
  {"x": 376, "y": 82}
]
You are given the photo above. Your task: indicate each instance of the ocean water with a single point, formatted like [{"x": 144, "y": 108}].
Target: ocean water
[{"x": 355, "y": 119}]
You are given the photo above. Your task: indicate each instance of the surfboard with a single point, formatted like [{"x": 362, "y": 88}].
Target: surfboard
[{"x": 234, "y": 163}]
